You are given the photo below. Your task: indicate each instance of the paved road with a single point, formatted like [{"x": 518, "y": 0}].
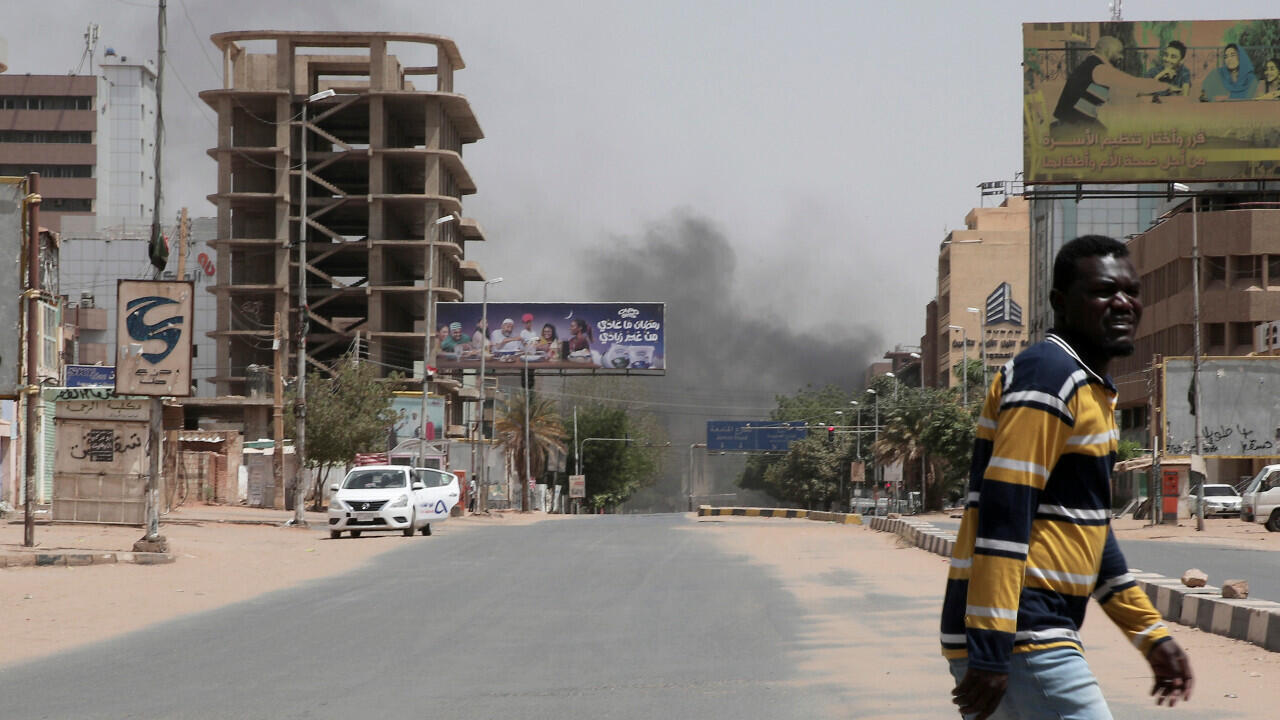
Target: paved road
[
  {"x": 594, "y": 617},
  {"x": 1260, "y": 567}
]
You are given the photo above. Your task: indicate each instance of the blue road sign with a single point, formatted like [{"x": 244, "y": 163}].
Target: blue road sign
[
  {"x": 753, "y": 435},
  {"x": 91, "y": 376}
]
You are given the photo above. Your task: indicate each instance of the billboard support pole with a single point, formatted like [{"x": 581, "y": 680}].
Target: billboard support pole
[{"x": 1195, "y": 324}]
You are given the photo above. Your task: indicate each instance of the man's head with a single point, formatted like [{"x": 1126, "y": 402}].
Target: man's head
[
  {"x": 508, "y": 325},
  {"x": 1095, "y": 297},
  {"x": 527, "y": 318},
  {"x": 1174, "y": 53},
  {"x": 455, "y": 330},
  {"x": 1110, "y": 48}
]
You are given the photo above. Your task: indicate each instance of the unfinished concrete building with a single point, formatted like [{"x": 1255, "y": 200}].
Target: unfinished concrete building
[{"x": 382, "y": 160}]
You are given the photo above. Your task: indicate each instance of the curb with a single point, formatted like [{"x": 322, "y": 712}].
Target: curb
[
  {"x": 79, "y": 559},
  {"x": 1204, "y": 608},
  {"x": 820, "y": 516}
]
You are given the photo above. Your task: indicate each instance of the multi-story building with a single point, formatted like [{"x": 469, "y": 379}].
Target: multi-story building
[
  {"x": 1240, "y": 292},
  {"x": 1117, "y": 211},
  {"x": 382, "y": 160},
  {"x": 982, "y": 288},
  {"x": 91, "y": 138}
]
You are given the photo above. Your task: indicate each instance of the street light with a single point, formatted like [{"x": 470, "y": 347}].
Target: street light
[
  {"x": 1195, "y": 333},
  {"x": 691, "y": 449},
  {"x": 300, "y": 402},
  {"x": 875, "y": 436},
  {"x": 964, "y": 363},
  {"x": 982, "y": 328},
  {"x": 895, "y": 384},
  {"x": 484, "y": 340},
  {"x": 924, "y": 468},
  {"x": 428, "y": 322}
]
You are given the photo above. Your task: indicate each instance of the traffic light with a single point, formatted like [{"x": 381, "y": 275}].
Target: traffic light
[{"x": 831, "y": 433}]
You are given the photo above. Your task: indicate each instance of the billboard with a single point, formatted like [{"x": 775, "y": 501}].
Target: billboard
[
  {"x": 12, "y": 191},
  {"x": 1240, "y": 407},
  {"x": 153, "y": 337},
  {"x": 1189, "y": 101},
  {"x": 597, "y": 337},
  {"x": 408, "y": 409},
  {"x": 754, "y": 435}
]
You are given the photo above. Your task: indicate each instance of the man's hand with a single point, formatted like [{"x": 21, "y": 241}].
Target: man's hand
[
  {"x": 980, "y": 692},
  {"x": 1172, "y": 669}
]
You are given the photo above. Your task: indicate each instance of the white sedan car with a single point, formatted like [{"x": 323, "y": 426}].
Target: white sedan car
[
  {"x": 1218, "y": 500},
  {"x": 391, "y": 497}
]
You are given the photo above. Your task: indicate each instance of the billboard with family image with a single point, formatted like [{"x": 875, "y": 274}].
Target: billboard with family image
[
  {"x": 1190, "y": 101},
  {"x": 562, "y": 336}
]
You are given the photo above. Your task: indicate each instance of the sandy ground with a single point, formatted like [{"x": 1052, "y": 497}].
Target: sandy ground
[
  {"x": 887, "y": 663},
  {"x": 48, "y": 609}
]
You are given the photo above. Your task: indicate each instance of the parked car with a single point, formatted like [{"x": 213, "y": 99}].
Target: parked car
[
  {"x": 1262, "y": 498},
  {"x": 1218, "y": 500},
  {"x": 390, "y": 498}
]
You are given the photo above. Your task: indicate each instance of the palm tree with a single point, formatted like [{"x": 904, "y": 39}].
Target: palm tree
[
  {"x": 902, "y": 431},
  {"x": 546, "y": 432}
]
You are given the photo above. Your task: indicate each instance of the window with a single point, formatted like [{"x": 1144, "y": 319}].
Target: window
[
  {"x": 46, "y": 102},
  {"x": 46, "y": 136},
  {"x": 1215, "y": 271},
  {"x": 58, "y": 171},
  {"x": 1246, "y": 271}
]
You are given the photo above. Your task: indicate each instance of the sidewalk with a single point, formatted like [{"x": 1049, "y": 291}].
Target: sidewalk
[{"x": 77, "y": 544}]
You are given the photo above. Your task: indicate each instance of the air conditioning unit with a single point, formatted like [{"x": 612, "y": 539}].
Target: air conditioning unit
[{"x": 86, "y": 299}]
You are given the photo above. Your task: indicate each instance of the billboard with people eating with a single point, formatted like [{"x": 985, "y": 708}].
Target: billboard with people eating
[
  {"x": 1151, "y": 101},
  {"x": 591, "y": 337}
]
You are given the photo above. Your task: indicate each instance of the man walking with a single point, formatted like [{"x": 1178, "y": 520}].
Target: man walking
[{"x": 1036, "y": 538}]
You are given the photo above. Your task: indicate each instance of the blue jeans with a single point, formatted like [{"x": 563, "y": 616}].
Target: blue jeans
[{"x": 1054, "y": 684}]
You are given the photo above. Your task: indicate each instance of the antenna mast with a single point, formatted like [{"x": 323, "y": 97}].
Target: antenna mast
[{"x": 1116, "y": 10}]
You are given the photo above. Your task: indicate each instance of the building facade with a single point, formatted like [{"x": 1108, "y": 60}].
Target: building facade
[
  {"x": 91, "y": 138},
  {"x": 370, "y": 175},
  {"x": 982, "y": 290},
  {"x": 1239, "y": 239}
]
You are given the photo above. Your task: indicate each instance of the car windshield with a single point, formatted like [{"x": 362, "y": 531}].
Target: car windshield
[
  {"x": 1219, "y": 490},
  {"x": 432, "y": 478},
  {"x": 374, "y": 479}
]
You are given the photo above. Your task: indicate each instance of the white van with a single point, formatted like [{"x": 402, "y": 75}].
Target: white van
[{"x": 1262, "y": 498}]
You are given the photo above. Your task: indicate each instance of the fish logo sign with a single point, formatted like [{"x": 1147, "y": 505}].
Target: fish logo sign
[{"x": 167, "y": 330}]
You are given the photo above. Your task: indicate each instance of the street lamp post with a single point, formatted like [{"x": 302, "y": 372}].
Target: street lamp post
[
  {"x": 304, "y": 309},
  {"x": 428, "y": 322},
  {"x": 1195, "y": 336},
  {"x": 690, "y": 493},
  {"x": 982, "y": 344},
  {"x": 528, "y": 475},
  {"x": 924, "y": 468},
  {"x": 964, "y": 364},
  {"x": 482, "y": 484}
]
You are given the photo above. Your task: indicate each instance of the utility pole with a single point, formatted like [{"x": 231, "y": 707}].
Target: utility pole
[
  {"x": 152, "y": 541},
  {"x": 32, "y": 390},
  {"x": 277, "y": 407}
]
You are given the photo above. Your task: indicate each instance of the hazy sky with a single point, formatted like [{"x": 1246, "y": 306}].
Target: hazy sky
[{"x": 828, "y": 144}]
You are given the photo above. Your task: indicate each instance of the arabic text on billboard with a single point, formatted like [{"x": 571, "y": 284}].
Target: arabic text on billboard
[
  {"x": 1151, "y": 101},
  {"x": 613, "y": 337},
  {"x": 753, "y": 435}
]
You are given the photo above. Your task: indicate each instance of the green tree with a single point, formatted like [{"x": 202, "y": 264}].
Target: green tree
[
  {"x": 815, "y": 407},
  {"x": 348, "y": 412},
  {"x": 809, "y": 474},
  {"x": 545, "y": 432},
  {"x": 947, "y": 437},
  {"x": 615, "y": 468}
]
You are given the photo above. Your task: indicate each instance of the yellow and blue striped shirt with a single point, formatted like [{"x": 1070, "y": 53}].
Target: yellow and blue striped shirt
[{"x": 1036, "y": 538}]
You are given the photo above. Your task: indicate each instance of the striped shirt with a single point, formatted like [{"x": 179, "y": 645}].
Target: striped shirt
[{"x": 1036, "y": 538}]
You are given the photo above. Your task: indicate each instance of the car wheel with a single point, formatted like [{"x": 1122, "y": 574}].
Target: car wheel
[
  {"x": 426, "y": 529},
  {"x": 335, "y": 534},
  {"x": 408, "y": 530},
  {"x": 355, "y": 533},
  {"x": 1273, "y": 522}
]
